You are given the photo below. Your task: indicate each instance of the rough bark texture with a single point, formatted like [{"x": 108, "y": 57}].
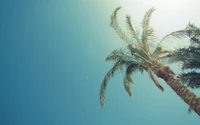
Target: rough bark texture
[{"x": 187, "y": 96}]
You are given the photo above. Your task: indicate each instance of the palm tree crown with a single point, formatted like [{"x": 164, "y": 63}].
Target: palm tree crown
[
  {"x": 189, "y": 58},
  {"x": 141, "y": 54}
]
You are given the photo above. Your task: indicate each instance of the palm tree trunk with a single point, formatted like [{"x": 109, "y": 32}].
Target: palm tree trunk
[{"x": 187, "y": 95}]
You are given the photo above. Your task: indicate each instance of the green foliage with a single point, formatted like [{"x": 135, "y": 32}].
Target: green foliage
[
  {"x": 114, "y": 24},
  {"x": 191, "y": 79},
  {"x": 191, "y": 31},
  {"x": 136, "y": 56},
  {"x": 118, "y": 66},
  {"x": 117, "y": 55},
  {"x": 189, "y": 57},
  {"x": 127, "y": 79},
  {"x": 141, "y": 54},
  {"x": 148, "y": 32},
  {"x": 131, "y": 27}
]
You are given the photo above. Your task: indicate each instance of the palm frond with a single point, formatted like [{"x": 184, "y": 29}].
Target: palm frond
[
  {"x": 138, "y": 52},
  {"x": 114, "y": 24},
  {"x": 110, "y": 73},
  {"x": 147, "y": 16},
  {"x": 177, "y": 34},
  {"x": 114, "y": 16},
  {"x": 125, "y": 58},
  {"x": 161, "y": 54},
  {"x": 160, "y": 51},
  {"x": 155, "y": 81},
  {"x": 138, "y": 56},
  {"x": 190, "y": 64},
  {"x": 188, "y": 56},
  {"x": 131, "y": 68},
  {"x": 195, "y": 40},
  {"x": 131, "y": 27},
  {"x": 194, "y": 34},
  {"x": 192, "y": 30},
  {"x": 117, "y": 55},
  {"x": 191, "y": 79},
  {"x": 127, "y": 87},
  {"x": 148, "y": 32}
]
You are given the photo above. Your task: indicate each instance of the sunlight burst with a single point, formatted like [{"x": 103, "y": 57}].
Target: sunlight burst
[{"x": 161, "y": 4}]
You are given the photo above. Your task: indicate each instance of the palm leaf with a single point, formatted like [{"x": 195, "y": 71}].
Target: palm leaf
[
  {"x": 195, "y": 40},
  {"x": 127, "y": 79},
  {"x": 131, "y": 27},
  {"x": 138, "y": 53},
  {"x": 192, "y": 30},
  {"x": 155, "y": 81},
  {"x": 114, "y": 24},
  {"x": 191, "y": 79},
  {"x": 110, "y": 73},
  {"x": 148, "y": 32},
  {"x": 188, "y": 56},
  {"x": 121, "y": 56},
  {"x": 160, "y": 51},
  {"x": 190, "y": 64},
  {"x": 146, "y": 19},
  {"x": 127, "y": 87},
  {"x": 177, "y": 34},
  {"x": 117, "y": 55}
]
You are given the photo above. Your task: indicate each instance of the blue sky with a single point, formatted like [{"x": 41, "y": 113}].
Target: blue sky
[{"x": 52, "y": 64}]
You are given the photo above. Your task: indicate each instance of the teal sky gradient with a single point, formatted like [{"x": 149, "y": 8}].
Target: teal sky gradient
[{"x": 53, "y": 62}]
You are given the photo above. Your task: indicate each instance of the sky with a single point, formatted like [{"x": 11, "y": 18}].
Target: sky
[{"x": 53, "y": 62}]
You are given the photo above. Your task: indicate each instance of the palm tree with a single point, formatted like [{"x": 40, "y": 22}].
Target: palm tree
[
  {"x": 141, "y": 54},
  {"x": 189, "y": 57}
]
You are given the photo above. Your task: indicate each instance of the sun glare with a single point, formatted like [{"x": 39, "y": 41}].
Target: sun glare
[
  {"x": 170, "y": 15},
  {"x": 161, "y": 4}
]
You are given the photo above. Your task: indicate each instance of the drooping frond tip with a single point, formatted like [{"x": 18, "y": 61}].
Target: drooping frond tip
[
  {"x": 147, "y": 16},
  {"x": 110, "y": 73},
  {"x": 128, "y": 80},
  {"x": 155, "y": 81},
  {"x": 114, "y": 16},
  {"x": 114, "y": 24},
  {"x": 127, "y": 86}
]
